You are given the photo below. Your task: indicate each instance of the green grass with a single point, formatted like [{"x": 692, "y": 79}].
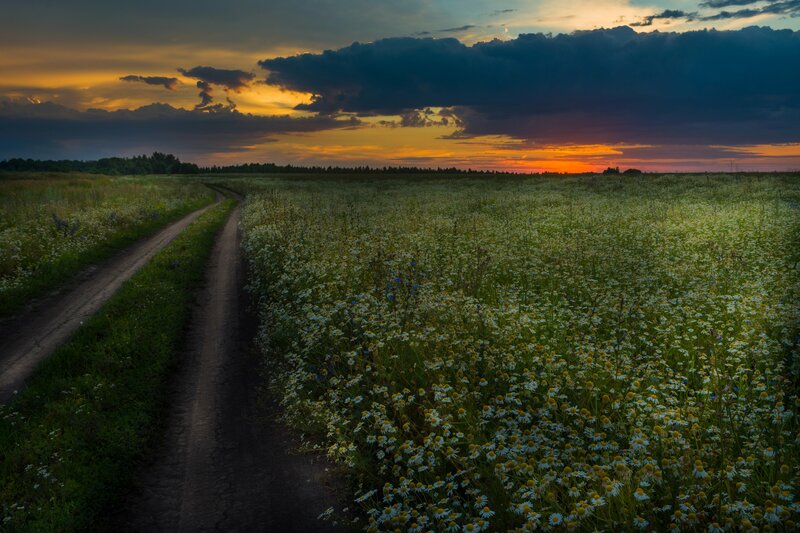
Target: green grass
[
  {"x": 100, "y": 216},
  {"x": 69, "y": 440}
]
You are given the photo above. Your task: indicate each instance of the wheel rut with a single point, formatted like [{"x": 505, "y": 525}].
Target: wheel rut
[{"x": 224, "y": 463}]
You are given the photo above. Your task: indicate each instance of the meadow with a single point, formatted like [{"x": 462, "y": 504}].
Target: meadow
[
  {"x": 548, "y": 353},
  {"x": 53, "y": 225}
]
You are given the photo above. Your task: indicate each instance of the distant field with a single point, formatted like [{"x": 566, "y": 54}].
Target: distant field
[
  {"x": 53, "y": 225},
  {"x": 596, "y": 352}
]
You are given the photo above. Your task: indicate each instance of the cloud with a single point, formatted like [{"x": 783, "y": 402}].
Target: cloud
[
  {"x": 601, "y": 86},
  {"x": 789, "y": 7},
  {"x": 205, "y": 95},
  {"x": 168, "y": 83},
  {"x": 740, "y": 14},
  {"x": 233, "y": 80},
  {"x": 48, "y": 130},
  {"x": 667, "y": 14},
  {"x": 716, "y": 4},
  {"x": 421, "y": 118},
  {"x": 207, "y": 99},
  {"x": 458, "y": 29},
  {"x": 772, "y": 7}
]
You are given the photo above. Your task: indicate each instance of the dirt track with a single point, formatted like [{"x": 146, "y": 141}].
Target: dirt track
[
  {"x": 29, "y": 338},
  {"x": 222, "y": 464}
]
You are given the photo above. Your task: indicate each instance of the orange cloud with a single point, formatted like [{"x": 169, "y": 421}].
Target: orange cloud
[{"x": 766, "y": 150}]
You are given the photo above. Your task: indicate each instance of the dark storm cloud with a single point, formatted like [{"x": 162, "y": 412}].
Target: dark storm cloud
[
  {"x": 596, "y": 86},
  {"x": 667, "y": 14},
  {"x": 168, "y": 83},
  {"x": 50, "y": 130},
  {"x": 234, "y": 80}
]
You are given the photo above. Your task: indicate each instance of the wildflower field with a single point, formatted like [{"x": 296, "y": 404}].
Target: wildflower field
[
  {"x": 51, "y": 225},
  {"x": 604, "y": 353}
]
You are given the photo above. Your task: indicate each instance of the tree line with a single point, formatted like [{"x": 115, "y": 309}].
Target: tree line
[
  {"x": 272, "y": 168},
  {"x": 159, "y": 163}
]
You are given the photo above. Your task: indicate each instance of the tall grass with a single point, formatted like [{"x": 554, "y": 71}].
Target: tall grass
[{"x": 51, "y": 227}]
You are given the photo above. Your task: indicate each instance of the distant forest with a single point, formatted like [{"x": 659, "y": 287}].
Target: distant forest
[
  {"x": 159, "y": 163},
  {"x": 272, "y": 168}
]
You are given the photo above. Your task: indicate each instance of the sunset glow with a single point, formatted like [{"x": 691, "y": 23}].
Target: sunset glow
[{"x": 464, "y": 126}]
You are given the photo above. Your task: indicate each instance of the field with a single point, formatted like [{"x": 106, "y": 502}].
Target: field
[
  {"x": 477, "y": 354},
  {"x": 588, "y": 352},
  {"x": 53, "y": 225}
]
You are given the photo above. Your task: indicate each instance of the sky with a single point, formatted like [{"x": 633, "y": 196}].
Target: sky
[{"x": 527, "y": 86}]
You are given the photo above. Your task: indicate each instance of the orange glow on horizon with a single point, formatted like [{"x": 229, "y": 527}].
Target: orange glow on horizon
[{"x": 424, "y": 147}]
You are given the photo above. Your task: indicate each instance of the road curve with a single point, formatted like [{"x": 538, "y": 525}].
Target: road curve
[{"x": 29, "y": 338}]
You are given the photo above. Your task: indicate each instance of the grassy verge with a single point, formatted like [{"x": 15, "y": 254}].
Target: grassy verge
[
  {"x": 69, "y": 441},
  {"x": 50, "y": 275}
]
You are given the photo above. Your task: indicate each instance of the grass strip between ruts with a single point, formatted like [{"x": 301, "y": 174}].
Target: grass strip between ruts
[{"x": 70, "y": 440}]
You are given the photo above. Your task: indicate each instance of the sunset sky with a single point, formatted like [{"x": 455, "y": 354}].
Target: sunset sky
[{"x": 551, "y": 85}]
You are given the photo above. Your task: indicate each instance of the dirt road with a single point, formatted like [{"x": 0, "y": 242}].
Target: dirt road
[
  {"x": 222, "y": 464},
  {"x": 29, "y": 338}
]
